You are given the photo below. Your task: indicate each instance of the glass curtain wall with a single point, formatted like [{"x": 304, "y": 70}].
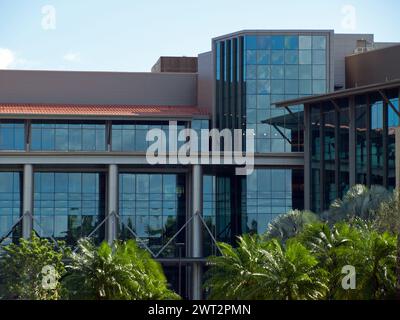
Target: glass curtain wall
[
  {"x": 68, "y": 136},
  {"x": 10, "y": 206},
  {"x": 12, "y": 135},
  {"x": 69, "y": 205},
  {"x": 277, "y": 68},
  {"x": 269, "y": 193},
  {"x": 154, "y": 207},
  {"x": 375, "y": 123}
]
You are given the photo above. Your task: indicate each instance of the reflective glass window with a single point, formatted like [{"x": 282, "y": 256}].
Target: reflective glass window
[
  {"x": 10, "y": 206},
  {"x": 68, "y": 136},
  {"x": 69, "y": 205},
  {"x": 152, "y": 206},
  {"x": 12, "y": 136}
]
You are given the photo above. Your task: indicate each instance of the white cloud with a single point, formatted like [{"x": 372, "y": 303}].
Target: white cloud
[
  {"x": 72, "y": 57},
  {"x": 7, "y": 58}
]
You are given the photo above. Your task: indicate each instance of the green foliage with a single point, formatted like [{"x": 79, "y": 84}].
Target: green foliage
[
  {"x": 359, "y": 202},
  {"x": 357, "y": 244},
  {"x": 21, "y": 269},
  {"x": 290, "y": 224},
  {"x": 261, "y": 270},
  {"x": 122, "y": 271}
]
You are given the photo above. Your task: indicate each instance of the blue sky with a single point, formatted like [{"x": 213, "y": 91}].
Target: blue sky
[{"x": 129, "y": 35}]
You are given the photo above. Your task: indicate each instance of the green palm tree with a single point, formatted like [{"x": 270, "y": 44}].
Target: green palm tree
[
  {"x": 360, "y": 201},
  {"x": 357, "y": 244},
  {"x": 290, "y": 224},
  {"x": 122, "y": 271},
  {"x": 265, "y": 270},
  {"x": 388, "y": 219}
]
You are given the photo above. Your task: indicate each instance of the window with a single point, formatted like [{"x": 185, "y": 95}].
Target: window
[
  {"x": 69, "y": 205},
  {"x": 12, "y": 136},
  {"x": 319, "y": 42},
  {"x": 267, "y": 194},
  {"x": 153, "y": 206},
  {"x": 68, "y": 136},
  {"x": 10, "y": 205},
  {"x": 131, "y": 136}
]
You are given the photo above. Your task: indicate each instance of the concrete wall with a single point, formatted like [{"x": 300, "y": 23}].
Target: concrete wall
[
  {"x": 205, "y": 81},
  {"x": 175, "y": 64},
  {"x": 73, "y": 87},
  {"x": 344, "y": 45},
  {"x": 373, "y": 67}
]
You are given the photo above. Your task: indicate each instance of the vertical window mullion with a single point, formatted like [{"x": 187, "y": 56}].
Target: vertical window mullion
[
  {"x": 322, "y": 157},
  {"x": 385, "y": 144},
  {"x": 368, "y": 138}
]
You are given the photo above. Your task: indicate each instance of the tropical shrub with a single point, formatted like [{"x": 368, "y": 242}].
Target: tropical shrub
[
  {"x": 359, "y": 202},
  {"x": 31, "y": 270},
  {"x": 265, "y": 270},
  {"x": 122, "y": 271},
  {"x": 290, "y": 224},
  {"x": 356, "y": 244}
]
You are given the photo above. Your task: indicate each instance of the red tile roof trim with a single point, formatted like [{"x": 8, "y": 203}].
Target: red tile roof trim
[{"x": 101, "y": 110}]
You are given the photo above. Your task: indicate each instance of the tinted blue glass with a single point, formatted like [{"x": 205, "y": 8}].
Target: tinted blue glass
[
  {"x": 251, "y": 42},
  {"x": 264, "y": 42},
  {"x": 263, "y": 72},
  {"x": 319, "y": 72},
  {"x": 12, "y": 136},
  {"x": 319, "y": 42},
  {"x": 251, "y": 56},
  {"x": 263, "y": 57},
  {"x": 152, "y": 205},
  {"x": 277, "y": 86},
  {"x": 69, "y": 136},
  {"x": 305, "y": 42},
  {"x": 319, "y": 86},
  {"x": 268, "y": 193},
  {"x": 305, "y": 72},
  {"x": 291, "y": 57},
  {"x": 305, "y": 57},
  {"x": 251, "y": 72},
  {"x": 277, "y": 72},
  {"x": 278, "y": 42},
  {"x": 292, "y": 86},
  {"x": 291, "y": 42},
  {"x": 10, "y": 205},
  {"x": 291, "y": 72},
  {"x": 319, "y": 57},
  {"x": 277, "y": 57},
  {"x": 68, "y": 206},
  {"x": 263, "y": 87}
]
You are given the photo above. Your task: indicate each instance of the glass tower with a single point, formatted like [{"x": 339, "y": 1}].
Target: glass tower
[{"x": 253, "y": 70}]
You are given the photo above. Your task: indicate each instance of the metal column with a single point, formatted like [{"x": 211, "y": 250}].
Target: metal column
[
  {"x": 27, "y": 201},
  {"x": 352, "y": 142},
  {"x": 307, "y": 158},
  {"x": 111, "y": 226},
  {"x": 196, "y": 228}
]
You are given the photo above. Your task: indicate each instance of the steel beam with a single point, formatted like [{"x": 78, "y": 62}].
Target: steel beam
[
  {"x": 111, "y": 227},
  {"x": 27, "y": 206},
  {"x": 197, "y": 231}
]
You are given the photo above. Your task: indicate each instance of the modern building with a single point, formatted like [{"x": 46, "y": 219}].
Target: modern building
[{"x": 73, "y": 144}]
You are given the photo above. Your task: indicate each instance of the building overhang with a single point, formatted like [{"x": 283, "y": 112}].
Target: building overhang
[{"x": 340, "y": 94}]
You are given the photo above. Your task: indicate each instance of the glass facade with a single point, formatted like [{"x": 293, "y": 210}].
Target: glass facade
[
  {"x": 69, "y": 205},
  {"x": 12, "y": 135},
  {"x": 10, "y": 206},
  {"x": 268, "y": 193},
  {"x": 154, "y": 207},
  {"x": 132, "y": 136},
  {"x": 374, "y": 123},
  {"x": 255, "y": 71},
  {"x": 68, "y": 136}
]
